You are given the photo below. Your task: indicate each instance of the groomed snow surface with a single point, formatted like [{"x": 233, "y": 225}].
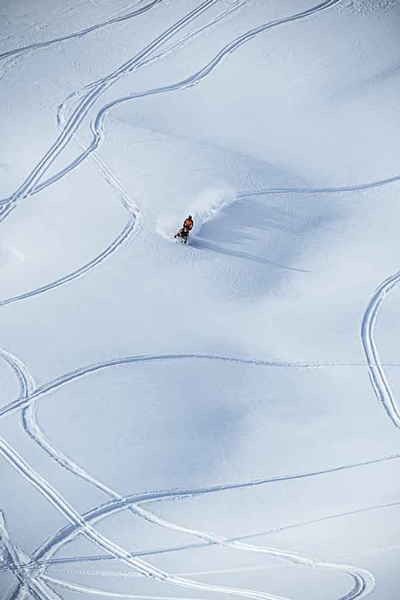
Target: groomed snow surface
[{"x": 219, "y": 419}]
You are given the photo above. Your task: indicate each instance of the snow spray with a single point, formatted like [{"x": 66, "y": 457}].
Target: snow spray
[{"x": 204, "y": 207}]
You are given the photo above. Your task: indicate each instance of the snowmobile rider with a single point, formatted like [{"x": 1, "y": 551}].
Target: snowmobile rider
[
  {"x": 185, "y": 229},
  {"x": 188, "y": 223}
]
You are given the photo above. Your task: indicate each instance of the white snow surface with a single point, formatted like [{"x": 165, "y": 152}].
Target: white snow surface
[{"x": 219, "y": 419}]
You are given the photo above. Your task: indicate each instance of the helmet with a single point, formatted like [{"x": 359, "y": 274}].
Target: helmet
[{"x": 190, "y": 216}]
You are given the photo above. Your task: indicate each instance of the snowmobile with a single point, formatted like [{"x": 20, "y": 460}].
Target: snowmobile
[{"x": 183, "y": 235}]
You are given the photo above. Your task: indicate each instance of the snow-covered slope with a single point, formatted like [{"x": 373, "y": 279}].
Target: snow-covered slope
[{"x": 219, "y": 419}]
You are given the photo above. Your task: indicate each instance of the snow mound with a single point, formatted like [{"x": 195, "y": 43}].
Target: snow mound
[{"x": 206, "y": 206}]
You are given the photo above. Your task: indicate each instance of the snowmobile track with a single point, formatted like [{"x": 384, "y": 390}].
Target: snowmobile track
[
  {"x": 377, "y": 375},
  {"x": 98, "y": 136},
  {"x": 363, "y": 581},
  {"x": 83, "y": 32},
  {"x": 121, "y": 503}
]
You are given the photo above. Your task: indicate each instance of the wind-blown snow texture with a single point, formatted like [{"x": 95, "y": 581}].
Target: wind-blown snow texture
[{"x": 220, "y": 419}]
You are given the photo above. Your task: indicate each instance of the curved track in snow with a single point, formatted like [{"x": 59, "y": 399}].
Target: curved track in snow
[
  {"x": 67, "y": 535},
  {"x": 16, "y": 562},
  {"x": 91, "y": 98},
  {"x": 78, "y": 34},
  {"x": 134, "y": 217},
  {"x": 377, "y": 375},
  {"x": 99, "y": 134},
  {"x": 363, "y": 580},
  {"x": 132, "y": 226},
  {"x": 323, "y": 190},
  {"x": 30, "y": 395},
  {"x": 25, "y": 379},
  {"x": 47, "y": 388},
  {"x": 192, "y": 80},
  {"x": 120, "y": 503}
]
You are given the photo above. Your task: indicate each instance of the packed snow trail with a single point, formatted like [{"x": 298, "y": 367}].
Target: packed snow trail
[
  {"x": 323, "y": 190},
  {"x": 140, "y": 64},
  {"x": 361, "y": 588},
  {"x": 98, "y": 132},
  {"x": 17, "y": 565},
  {"x": 51, "y": 494},
  {"x": 31, "y": 185},
  {"x": 47, "y": 388},
  {"x": 197, "y": 545},
  {"x": 134, "y": 215},
  {"x": 361, "y": 585},
  {"x": 89, "y": 100},
  {"x": 27, "y": 388},
  {"x": 25, "y": 378},
  {"x": 97, "y": 126},
  {"x": 56, "y": 499},
  {"x": 73, "y": 587},
  {"x": 363, "y": 581},
  {"x": 132, "y": 226},
  {"x": 33, "y": 429},
  {"x": 81, "y": 33},
  {"x": 69, "y": 532},
  {"x": 16, "y": 562},
  {"x": 122, "y": 237},
  {"x": 187, "y": 82},
  {"x": 75, "y": 96},
  {"x": 180, "y": 493},
  {"x": 377, "y": 375}
]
